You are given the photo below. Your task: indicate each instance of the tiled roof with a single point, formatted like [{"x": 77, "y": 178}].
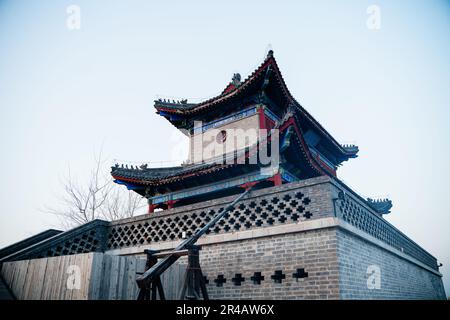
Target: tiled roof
[
  {"x": 152, "y": 176},
  {"x": 184, "y": 109},
  {"x": 229, "y": 92}
]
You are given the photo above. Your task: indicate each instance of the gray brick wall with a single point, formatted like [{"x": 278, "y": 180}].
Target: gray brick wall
[
  {"x": 315, "y": 251},
  {"x": 336, "y": 261},
  {"x": 400, "y": 279}
]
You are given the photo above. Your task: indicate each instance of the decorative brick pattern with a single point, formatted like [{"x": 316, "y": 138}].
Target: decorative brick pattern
[
  {"x": 83, "y": 243},
  {"x": 360, "y": 217},
  {"x": 272, "y": 209},
  {"x": 260, "y": 261},
  {"x": 89, "y": 237}
]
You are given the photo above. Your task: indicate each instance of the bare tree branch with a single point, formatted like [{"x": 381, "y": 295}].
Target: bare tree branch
[{"x": 98, "y": 198}]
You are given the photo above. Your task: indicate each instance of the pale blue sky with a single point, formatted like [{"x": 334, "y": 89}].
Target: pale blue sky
[{"x": 64, "y": 94}]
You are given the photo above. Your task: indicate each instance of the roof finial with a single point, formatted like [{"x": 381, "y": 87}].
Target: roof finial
[
  {"x": 236, "y": 80},
  {"x": 269, "y": 51}
]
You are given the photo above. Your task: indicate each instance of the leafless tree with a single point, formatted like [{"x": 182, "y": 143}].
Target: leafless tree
[{"x": 98, "y": 198}]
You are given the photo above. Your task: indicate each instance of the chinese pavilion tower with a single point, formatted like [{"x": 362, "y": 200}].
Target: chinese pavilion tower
[
  {"x": 261, "y": 103},
  {"x": 296, "y": 232}
]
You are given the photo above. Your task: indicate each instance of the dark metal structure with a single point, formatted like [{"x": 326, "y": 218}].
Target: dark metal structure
[
  {"x": 194, "y": 281},
  {"x": 150, "y": 280}
]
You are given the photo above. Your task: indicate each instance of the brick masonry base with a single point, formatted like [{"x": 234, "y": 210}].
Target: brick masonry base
[
  {"x": 338, "y": 264},
  {"x": 314, "y": 251},
  {"x": 338, "y": 258}
]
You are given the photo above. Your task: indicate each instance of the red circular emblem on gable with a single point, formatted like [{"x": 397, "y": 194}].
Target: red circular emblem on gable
[{"x": 221, "y": 136}]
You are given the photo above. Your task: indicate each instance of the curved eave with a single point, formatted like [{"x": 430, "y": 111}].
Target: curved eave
[
  {"x": 313, "y": 122},
  {"x": 314, "y": 165},
  {"x": 223, "y": 97},
  {"x": 166, "y": 180}
]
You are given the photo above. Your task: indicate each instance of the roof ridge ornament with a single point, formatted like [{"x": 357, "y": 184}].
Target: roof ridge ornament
[
  {"x": 171, "y": 101},
  {"x": 270, "y": 54},
  {"x": 289, "y": 113},
  {"x": 143, "y": 166},
  {"x": 236, "y": 79},
  {"x": 382, "y": 206},
  {"x": 351, "y": 148}
]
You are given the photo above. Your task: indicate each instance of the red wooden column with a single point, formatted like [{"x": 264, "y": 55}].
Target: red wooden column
[
  {"x": 151, "y": 207},
  {"x": 276, "y": 179},
  {"x": 262, "y": 118},
  {"x": 170, "y": 204}
]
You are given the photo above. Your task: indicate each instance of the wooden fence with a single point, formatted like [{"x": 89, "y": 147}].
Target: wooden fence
[{"x": 84, "y": 276}]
